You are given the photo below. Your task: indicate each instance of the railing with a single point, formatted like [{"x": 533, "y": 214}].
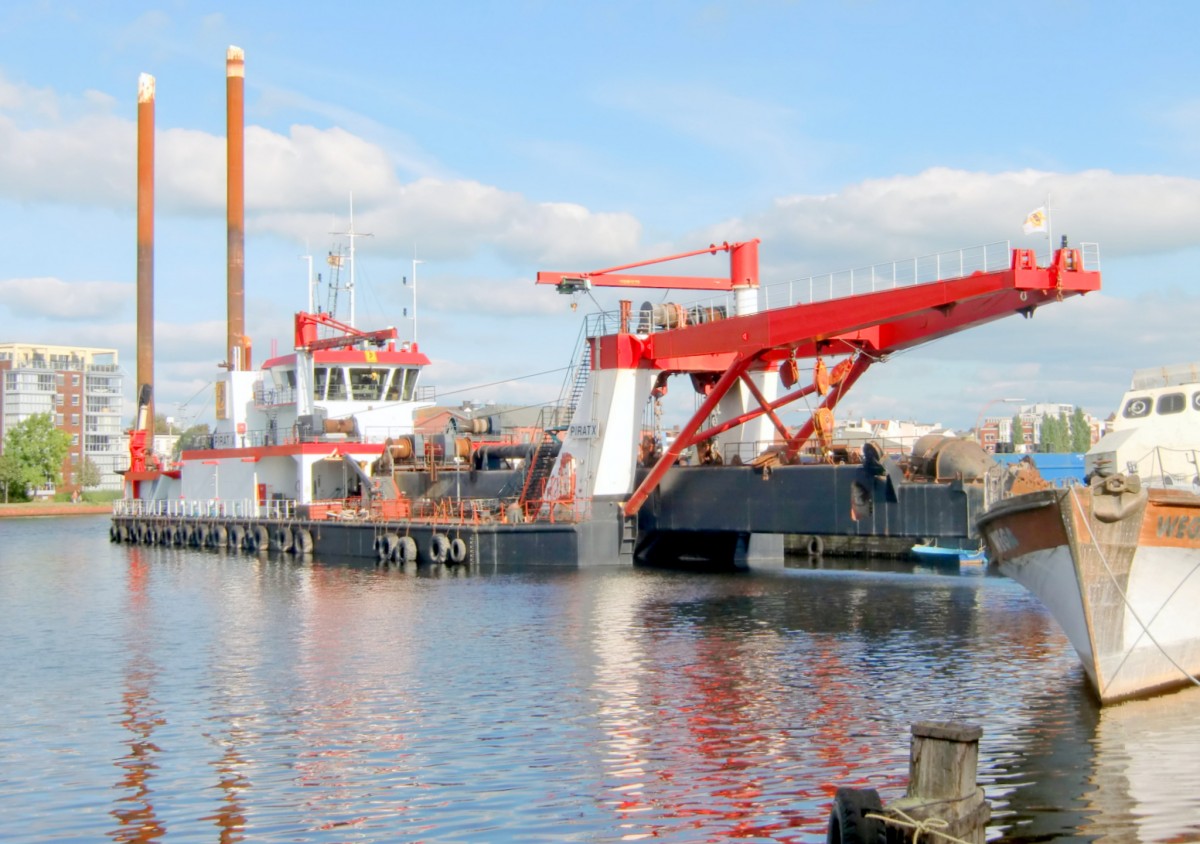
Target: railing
[
  {"x": 1166, "y": 467},
  {"x": 244, "y": 508},
  {"x": 912, "y": 272},
  {"x": 942, "y": 266},
  {"x": 444, "y": 511}
]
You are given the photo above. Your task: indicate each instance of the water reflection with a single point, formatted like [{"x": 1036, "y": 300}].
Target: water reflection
[
  {"x": 1139, "y": 789},
  {"x": 249, "y": 698},
  {"x": 134, "y": 811}
]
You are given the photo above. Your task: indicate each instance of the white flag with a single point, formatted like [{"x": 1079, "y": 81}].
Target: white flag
[{"x": 1036, "y": 221}]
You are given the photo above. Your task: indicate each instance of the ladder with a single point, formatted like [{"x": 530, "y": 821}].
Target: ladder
[{"x": 560, "y": 415}]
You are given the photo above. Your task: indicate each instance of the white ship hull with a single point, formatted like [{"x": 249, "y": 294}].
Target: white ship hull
[{"x": 1119, "y": 572}]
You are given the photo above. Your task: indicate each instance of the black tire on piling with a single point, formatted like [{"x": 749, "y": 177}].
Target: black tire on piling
[{"x": 848, "y": 821}]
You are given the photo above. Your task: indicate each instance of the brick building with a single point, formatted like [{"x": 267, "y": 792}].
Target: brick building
[{"x": 81, "y": 390}]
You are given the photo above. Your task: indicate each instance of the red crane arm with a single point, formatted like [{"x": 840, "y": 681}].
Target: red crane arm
[
  {"x": 743, "y": 272},
  {"x": 307, "y": 340},
  {"x": 885, "y": 321}
]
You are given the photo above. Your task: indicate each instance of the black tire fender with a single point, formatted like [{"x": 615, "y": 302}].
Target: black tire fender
[
  {"x": 848, "y": 821},
  {"x": 406, "y": 550},
  {"x": 302, "y": 541},
  {"x": 439, "y": 548}
]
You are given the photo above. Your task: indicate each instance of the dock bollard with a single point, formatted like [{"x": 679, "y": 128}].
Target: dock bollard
[{"x": 942, "y": 802}]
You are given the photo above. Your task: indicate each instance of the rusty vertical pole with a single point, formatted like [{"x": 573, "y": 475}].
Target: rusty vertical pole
[
  {"x": 145, "y": 242},
  {"x": 235, "y": 73}
]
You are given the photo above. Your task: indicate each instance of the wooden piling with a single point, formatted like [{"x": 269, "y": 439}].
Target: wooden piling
[
  {"x": 942, "y": 802},
  {"x": 941, "y": 784}
]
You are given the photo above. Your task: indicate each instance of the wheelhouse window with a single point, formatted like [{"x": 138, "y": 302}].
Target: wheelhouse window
[
  {"x": 1171, "y": 403},
  {"x": 1137, "y": 407},
  {"x": 320, "y": 379},
  {"x": 366, "y": 383},
  {"x": 337, "y": 384},
  {"x": 403, "y": 384}
]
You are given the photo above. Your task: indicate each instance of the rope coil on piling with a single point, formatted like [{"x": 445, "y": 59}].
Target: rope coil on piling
[{"x": 932, "y": 826}]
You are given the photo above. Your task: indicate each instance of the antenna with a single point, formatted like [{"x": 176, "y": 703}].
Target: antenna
[
  {"x": 309, "y": 280},
  {"x": 351, "y": 233},
  {"x": 414, "y": 294}
]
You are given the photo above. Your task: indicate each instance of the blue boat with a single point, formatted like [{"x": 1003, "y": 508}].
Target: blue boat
[{"x": 939, "y": 554}]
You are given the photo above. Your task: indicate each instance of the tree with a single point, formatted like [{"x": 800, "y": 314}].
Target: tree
[
  {"x": 14, "y": 479},
  {"x": 39, "y": 448},
  {"x": 1049, "y": 435},
  {"x": 194, "y": 437},
  {"x": 1018, "y": 433},
  {"x": 1081, "y": 431},
  {"x": 1056, "y": 435},
  {"x": 88, "y": 475}
]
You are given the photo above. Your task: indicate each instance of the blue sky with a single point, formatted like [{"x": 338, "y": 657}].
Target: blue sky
[{"x": 493, "y": 140}]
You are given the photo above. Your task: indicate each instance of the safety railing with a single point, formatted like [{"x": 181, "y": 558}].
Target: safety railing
[
  {"x": 925, "y": 269},
  {"x": 217, "y": 508}
]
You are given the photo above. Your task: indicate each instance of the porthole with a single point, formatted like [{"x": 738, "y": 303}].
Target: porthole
[{"x": 1136, "y": 408}]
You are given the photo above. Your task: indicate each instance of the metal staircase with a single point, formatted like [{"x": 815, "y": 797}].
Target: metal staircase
[{"x": 553, "y": 421}]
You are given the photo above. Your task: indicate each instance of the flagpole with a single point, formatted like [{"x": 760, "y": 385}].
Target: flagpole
[{"x": 1049, "y": 230}]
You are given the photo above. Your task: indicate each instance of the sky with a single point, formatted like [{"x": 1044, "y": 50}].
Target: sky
[{"x": 491, "y": 140}]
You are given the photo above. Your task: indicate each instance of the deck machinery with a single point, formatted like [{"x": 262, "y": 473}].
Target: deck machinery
[{"x": 753, "y": 477}]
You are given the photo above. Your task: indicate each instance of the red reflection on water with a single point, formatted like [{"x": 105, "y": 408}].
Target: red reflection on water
[
  {"x": 230, "y": 817},
  {"x": 134, "y": 810},
  {"x": 698, "y": 739}
]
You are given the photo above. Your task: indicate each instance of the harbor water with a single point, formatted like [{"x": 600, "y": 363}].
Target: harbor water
[{"x": 160, "y": 693}]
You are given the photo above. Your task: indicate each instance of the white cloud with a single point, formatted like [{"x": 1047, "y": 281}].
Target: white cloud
[
  {"x": 57, "y": 150},
  {"x": 941, "y": 208},
  {"x": 55, "y": 299}
]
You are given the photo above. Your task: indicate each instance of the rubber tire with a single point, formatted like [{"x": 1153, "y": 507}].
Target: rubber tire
[
  {"x": 439, "y": 548},
  {"x": 262, "y": 537},
  {"x": 385, "y": 547},
  {"x": 302, "y": 541},
  {"x": 237, "y": 537},
  {"x": 816, "y": 546},
  {"x": 406, "y": 550},
  {"x": 458, "y": 550},
  {"x": 281, "y": 539},
  {"x": 848, "y": 821}
]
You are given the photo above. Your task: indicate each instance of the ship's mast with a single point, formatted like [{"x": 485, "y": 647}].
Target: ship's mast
[{"x": 351, "y": 234}]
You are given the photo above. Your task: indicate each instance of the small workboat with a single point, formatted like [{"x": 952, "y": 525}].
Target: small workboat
[
  {"x": 938, "y": 554},
  {"x": 1117, "y": 562}
]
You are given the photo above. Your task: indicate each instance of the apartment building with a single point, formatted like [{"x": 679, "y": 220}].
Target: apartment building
[{"x": 81, "y": 389}]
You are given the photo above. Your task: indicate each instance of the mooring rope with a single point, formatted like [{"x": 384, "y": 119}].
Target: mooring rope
[
  {"x": 1125, "y": 598},
  {"x": 932, "y": 826}
]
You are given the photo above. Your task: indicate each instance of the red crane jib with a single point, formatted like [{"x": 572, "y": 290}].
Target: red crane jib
[
  {"x": 307, "y": 339},
  {"x": 882, "y": 322},
  {"x": 743, "y": 272},
  {"x": 865, "y": 327}
]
